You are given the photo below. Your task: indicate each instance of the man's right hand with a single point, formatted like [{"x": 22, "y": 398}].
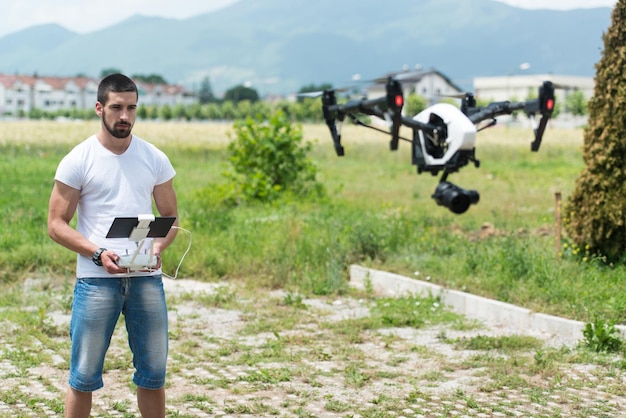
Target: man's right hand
[{"x": 109, "y": 262}]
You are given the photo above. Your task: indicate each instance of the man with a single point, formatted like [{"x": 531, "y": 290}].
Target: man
[{"x": 113, "y": 174}]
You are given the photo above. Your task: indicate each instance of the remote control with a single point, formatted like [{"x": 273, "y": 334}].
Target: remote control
[{"x": 137, "y": 261}]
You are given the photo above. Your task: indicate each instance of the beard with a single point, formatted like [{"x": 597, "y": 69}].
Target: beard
[{"x": 119, "y": 129}]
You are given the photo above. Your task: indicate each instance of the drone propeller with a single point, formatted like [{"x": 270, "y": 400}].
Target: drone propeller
[
  {"x": 560, "y": 86},
  {"x": 407, "y": 76},
  {"x": 455, "y": 95},
  {"x": 315, "y": 94},
  {"x": 311, "y": 94}
]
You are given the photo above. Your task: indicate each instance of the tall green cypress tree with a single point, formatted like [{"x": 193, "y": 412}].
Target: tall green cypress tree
[{"x": 595, "y": 211}]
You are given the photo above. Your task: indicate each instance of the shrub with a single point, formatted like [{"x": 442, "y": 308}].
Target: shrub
[
  {"x": 268, "y": 158},
  {"x": 596, "y": 210}
]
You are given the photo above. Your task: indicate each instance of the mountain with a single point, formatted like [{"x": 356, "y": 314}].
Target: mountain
[{"x": 280, "y": 45}]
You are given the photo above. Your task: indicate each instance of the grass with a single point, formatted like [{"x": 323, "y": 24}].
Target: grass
[{"x": 379, "y": 213}]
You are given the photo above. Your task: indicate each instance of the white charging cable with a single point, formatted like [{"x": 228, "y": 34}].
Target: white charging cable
[{"x": 180, "y": 263}]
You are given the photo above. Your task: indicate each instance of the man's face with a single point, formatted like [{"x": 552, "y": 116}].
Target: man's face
[{"x": 119, "y": 113}]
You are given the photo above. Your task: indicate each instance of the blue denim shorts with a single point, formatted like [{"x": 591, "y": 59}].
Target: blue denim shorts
[{"x": 96, "y": 308}]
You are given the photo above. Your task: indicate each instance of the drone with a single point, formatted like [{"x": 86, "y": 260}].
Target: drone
[{"x": 444, "y": 136}]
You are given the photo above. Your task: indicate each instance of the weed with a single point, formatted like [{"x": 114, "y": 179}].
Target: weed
[
  {"x": 411, "y": 311},
  {"x": 337, "y": 406},
  {"x": 600, "y": 336},
  {"x": 355, "y": 375},
  {"x": 507, "y": 343},
  {"x": 121, "y": 406},
  {"x": 294, "y": 300}
]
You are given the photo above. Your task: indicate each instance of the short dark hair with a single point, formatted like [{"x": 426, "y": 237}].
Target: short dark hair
[{"x": 117, "y": 83}]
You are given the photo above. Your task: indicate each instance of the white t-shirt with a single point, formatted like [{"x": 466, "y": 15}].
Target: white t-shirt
[{"x": 112, "y": 186}]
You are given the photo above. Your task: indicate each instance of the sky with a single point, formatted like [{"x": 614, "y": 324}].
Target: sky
[{"x": 87, "y": 16}]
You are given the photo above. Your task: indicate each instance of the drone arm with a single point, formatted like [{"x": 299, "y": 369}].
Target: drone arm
[
  {"x": 367, "y": 107},
  {"x": 544, "y": 104},
  {"x": 429, "y": 128},
  {"x": 506, "y": 108},
  {"x": 495, "y": 109}
]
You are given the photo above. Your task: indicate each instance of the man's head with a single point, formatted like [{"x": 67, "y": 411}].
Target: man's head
[
  {"x": 117, "y": 83},
  {"x": 117, "y": 104}
]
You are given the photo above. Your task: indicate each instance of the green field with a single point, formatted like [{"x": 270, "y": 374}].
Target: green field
[{"x": 379, "y": 213}]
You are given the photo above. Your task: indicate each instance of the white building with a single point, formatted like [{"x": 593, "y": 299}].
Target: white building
[
  {"x": 431, "y": 84},
  {"x": 21, "y": 94},
  {"x": 521, "y": 87}
]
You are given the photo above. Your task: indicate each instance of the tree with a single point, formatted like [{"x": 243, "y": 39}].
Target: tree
[
  {"x": 205, "y": 95},
  {"x": 150, "y": 78},
  {"x": 576, "y": 104},
  {"x": 315, "y": 87},
  {"x": 108, "y": 71},
  {"x": 165, "y": 112},
  {"x": 241, "y": 92},
  {"x": 142, "y": 111},
  {"x": 181, "y": 112},
  {"x": 414, "y": 104},
  {"x": 595, "y": 213}
]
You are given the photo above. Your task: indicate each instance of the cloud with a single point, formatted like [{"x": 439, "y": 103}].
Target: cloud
[
  {"x": 83, "y": 16},
  {"x": 559, "y": 4}
]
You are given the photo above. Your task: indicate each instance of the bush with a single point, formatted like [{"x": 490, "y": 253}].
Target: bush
[
  {"x": 596, "y": 210},
  {"x": 268, "y": 158}
]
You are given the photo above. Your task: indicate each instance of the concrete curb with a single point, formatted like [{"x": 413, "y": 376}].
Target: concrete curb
[{"x": 565, "y": 331}]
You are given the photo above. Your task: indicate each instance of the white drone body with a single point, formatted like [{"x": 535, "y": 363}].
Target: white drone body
[{"x": 461, "y": 133}]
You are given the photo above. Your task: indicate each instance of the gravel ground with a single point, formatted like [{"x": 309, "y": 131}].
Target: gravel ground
[{"x": 315, "y": 368}]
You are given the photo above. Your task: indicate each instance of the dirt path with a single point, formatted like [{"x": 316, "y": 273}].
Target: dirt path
[{"x": 314, "y": 359}]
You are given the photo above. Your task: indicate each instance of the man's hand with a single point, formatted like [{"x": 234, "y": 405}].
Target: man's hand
[{"x": 109, "y": 262}]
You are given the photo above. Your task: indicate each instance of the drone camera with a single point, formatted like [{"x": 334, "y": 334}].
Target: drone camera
[{"x": 455, "y": 198}]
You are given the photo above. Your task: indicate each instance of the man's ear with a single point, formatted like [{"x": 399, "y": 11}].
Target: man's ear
[{"x": 99, "y": 108}]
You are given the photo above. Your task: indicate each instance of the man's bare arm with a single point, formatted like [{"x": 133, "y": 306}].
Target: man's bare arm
[
  {"x": 61, "y": 210},
  {"x": 166, "y": 204}
]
